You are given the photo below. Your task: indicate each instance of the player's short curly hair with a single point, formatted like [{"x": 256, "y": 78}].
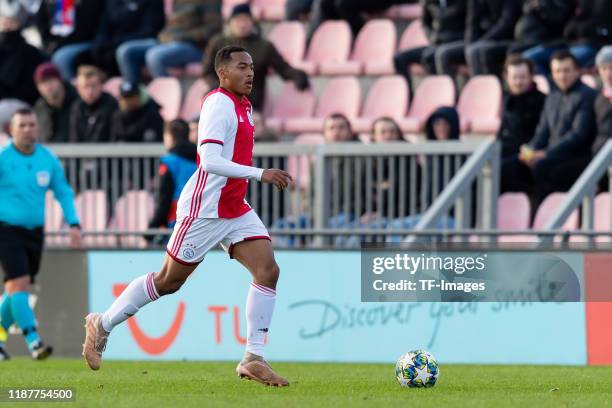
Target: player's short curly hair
[{"x": 224, "y": 55}]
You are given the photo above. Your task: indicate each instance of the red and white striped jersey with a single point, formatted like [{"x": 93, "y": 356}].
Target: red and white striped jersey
[{"x": 227, "y": 121}]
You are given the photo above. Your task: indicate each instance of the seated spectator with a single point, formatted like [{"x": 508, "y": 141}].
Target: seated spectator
[
  {"x": 337, "y": 128},
  {"x": 443, "y": 22},
  {"x": 91, "y": 113},
  {"x": 18, "y": 59},
  {"x": 183, "y": 40},
  {"x": 53, "y": 107},
  {"x": 442, "y": 125},
  {"x": 138, "y": 118},
  {"x": 588, "y": 29},
  {"x": 565, "y": 132},
  {"x": 265, "y": 55},
  {"x": 67, "y": 29},
  {"x": 489, "y": 30},
  {"x": 176, "y": 167},
  {"x": 123, "y": 21},
  {"x": 521, "y": 108}
]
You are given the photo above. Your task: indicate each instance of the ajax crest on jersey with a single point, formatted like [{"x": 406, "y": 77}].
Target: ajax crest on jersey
[
  {"x": 43, "y": 178},
  {"x": 188, "y": 253},
  {"x": 250, "y": 117},
  {"x": 417, "y": 368}
]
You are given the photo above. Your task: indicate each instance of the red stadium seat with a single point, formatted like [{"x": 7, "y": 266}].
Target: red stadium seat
[
  {"x": 388, "y": 96},
  {"x": 291, "y": 103},
  {"x": 289, "y": 38},
  {"x": 341, "y": 95},
  {"x": 193, "y": 100},
  {"x": 54, "y": 221},
  {"x": 112, "y": 86},
  {"x": 167, "y": 93},
  {"x": 300, "y": 166},
  {"x": 479, "y": 105},
  {"x": 414, "y": 37},
  {"x": 373, "y": 53},
  {"x": 330, "y": 43},
  {"x": 542, "y": 83},
  {"x": 92, "y": 208},
  {"x": 433, "y": 92},
  {"x": 271, "y": 10},
  {"x": 132, "y": 213}
]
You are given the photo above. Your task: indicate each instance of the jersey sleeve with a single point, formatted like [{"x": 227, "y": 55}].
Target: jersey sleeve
[{"x": 218, "y": 122}]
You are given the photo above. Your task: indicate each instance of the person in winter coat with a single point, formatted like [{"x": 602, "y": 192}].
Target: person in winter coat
[{"x": 137, "y": 119}]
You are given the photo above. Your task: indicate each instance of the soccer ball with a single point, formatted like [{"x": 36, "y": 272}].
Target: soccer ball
[{"x": 417, "y": 368}]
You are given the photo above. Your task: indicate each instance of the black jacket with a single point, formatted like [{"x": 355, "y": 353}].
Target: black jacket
[
  {"x": 87, "y": 19},
  {"x": 491, "y": 19},
  {"x": 437, "y": 166},
  {"x": 92, "y": 123},
  {"x": 54, "y": 123},
  {"x": 567, "y": 125},
  {"x": 18, "y": 61},
  {"x": 444, "y": 24},
  {"x": 144, "y": 124},
  {"x": 520, "y": 116},
  {"x": 543, "y": 20},
  {"x": 603, "y": 117},
  {"x": 592, "y": 23}
]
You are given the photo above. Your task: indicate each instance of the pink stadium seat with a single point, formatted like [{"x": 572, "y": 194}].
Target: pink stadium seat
[
  {"x": 299, "y": 166},
  {"x": 589, "y": 80},
  {"x": 513, "y": 212},
  {"x": 342, "y": 94},
  {"x": 54, "y": 221},
  {"x": 414, "y": 37},
  {"x": 112, "y": 86},
  {"x": 168, "y": 6},
  {"x": 433, "y": 92},
  {"x": 290, "y": 103},
  {"x": 603, "y": 213},
  {"x": 193, "y": 100},
  {"x": 271, "y": 10},
  {"x": 373, "y": 53},
  {"x": 289, "y": 38},
  {"x": 132, "y": 213},
  {"x": 92, "y": 208},
  {"x": 167, "y": 93},
  {"x": 388, "y": 96},
  {"x": 330, "y": 43},
  {"x": 408, "y": 11},
  {"x": 542, "y": 83},
  {"x": 479, "y": 105}
]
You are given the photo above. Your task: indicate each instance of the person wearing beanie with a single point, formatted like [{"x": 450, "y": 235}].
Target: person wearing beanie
[
  {"x": 18, "y": 59},
  {"x": 188, "y": 29},
  {"x": 138, "y": 118},
  {"x": 242, "y": 32},
  {"x": 53, "y": 106}
]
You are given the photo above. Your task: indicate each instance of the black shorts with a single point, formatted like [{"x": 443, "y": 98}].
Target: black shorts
[{"x": 20, "y": 251}]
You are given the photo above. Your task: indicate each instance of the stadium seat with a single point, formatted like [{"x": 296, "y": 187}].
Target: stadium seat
[
  {"x": 388, "y": 96},
  {"x": 167, "y": 93},
  {"x": 289, "y": 38},
  {"x": 92, "y": 208},
  {"x": 589, "y": 80},
  {"x": 193, "y": 100},
  {"x": 407, "y": 11},
  {"x": 602, "y": 216},
  {"x": 112, "y": 86},
  {"x": 542, "y": 83},
  {"x": 132, "y": 213},
  {"x": 373, "y": 52},
  {"x": 414, "y": 37},
  {"x": 479, "y": 105},
  {"x": 433, "y": 92},
  {"x": 330, "y": 43},
  {"x": 299, "y": 166},
  {"x": 4, "y": 139},
  {"x": 290, "y": 103},
  {"x": 513, "y": 212},
  {"x": 341, "y": 95},
  {"x": 54, "y": 221},
  {"x": 270, "y": 10}
]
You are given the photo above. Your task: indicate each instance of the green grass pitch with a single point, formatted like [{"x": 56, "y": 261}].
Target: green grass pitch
[{"x": 199, "y": 384}]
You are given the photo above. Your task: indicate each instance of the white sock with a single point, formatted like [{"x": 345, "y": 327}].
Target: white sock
[
  {"x": 259, "y": 310},
  {"x": 138, "y": 293}
]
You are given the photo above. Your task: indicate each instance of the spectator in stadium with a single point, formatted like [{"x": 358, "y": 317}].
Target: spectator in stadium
[
  {"x": 264, "y": 53},
  {"x": 588, "y": 29},
  {"x": 189, "y": 29},
  {"x": 123, "y": 21},
  {"x": 489, "y": 24},
  {"x": 67, "y": 29},
  {"x": 18, "y": 59},
  {"x": 443, "y": 22},
  {"x": 565, "y": 132},
  {"x": 521, "y": 107},
  {"x": 297, "y": 9},
  {"x": 337, "y": 128},
  {"x": 138, "y": 118},
  {"x": 91, "y": 113},
  {"x": 53, "y": 106},
  {"x": 175, "y": 169},
  {"x": 349, "y": 10}
]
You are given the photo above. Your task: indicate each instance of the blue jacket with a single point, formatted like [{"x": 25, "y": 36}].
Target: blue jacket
[{"x": 24, "y": 181}]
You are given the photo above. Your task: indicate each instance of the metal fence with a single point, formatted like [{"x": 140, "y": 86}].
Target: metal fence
[{"x": 344, "y": 194}]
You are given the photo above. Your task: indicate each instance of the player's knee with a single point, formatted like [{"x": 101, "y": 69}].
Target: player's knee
[{"x": 268, "y": 274}]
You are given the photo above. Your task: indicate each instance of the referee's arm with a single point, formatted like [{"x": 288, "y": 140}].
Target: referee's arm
[{"x": 65, "y": 196}]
